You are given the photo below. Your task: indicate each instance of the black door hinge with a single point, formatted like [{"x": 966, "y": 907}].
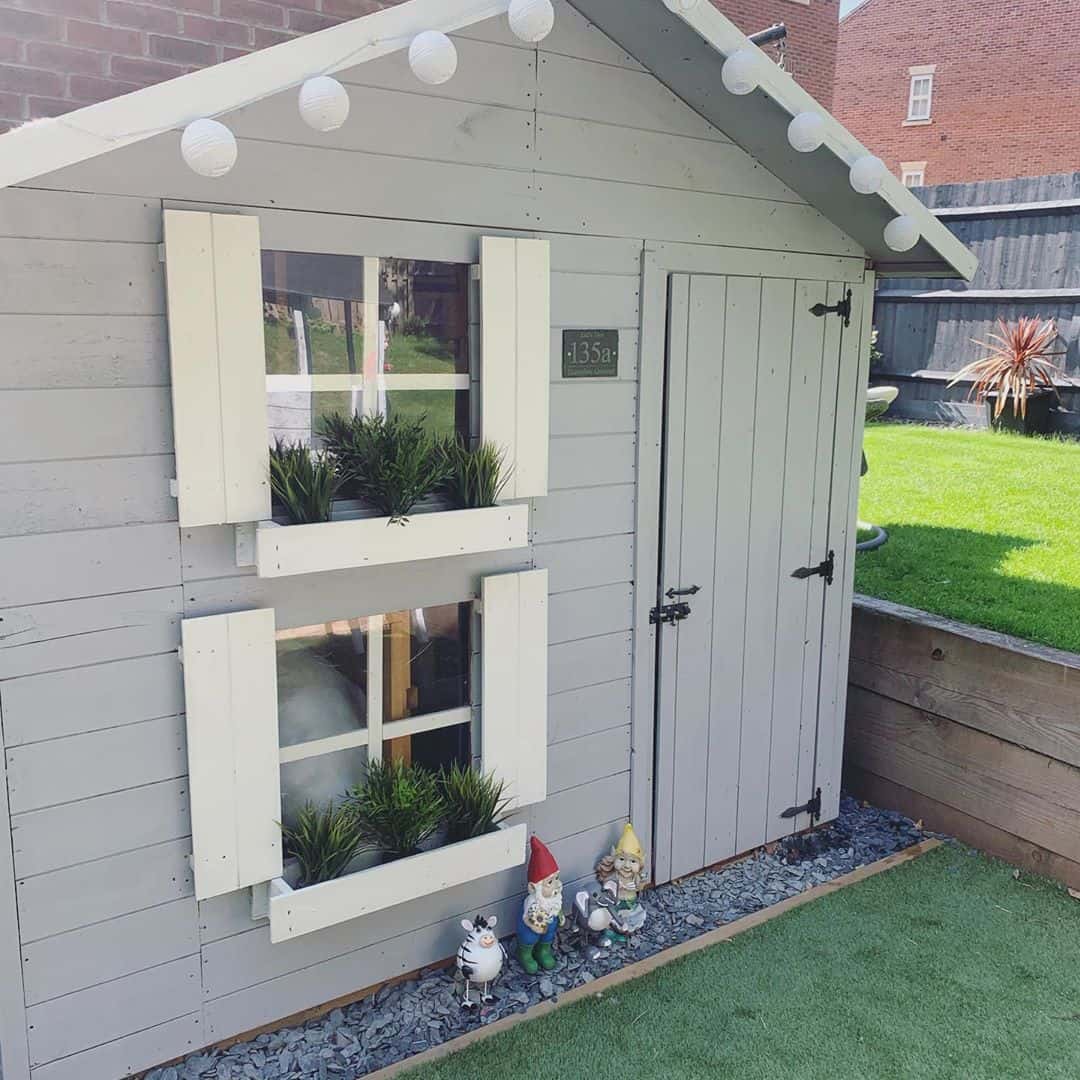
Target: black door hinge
[
  {"x": 841, "y": 308},
  {"x": 826, "y": 569},
  {"x": 813, "y": 808},
  {"x": 669, "y": 613}
]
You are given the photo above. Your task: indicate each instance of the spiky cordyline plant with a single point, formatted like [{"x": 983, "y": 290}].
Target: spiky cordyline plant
[
  {"x": 1016, "y": 366},
  {"x": 475, "y": 477},
  {"x": 475, "y": 802},
  {"x": 323, "y": 842},
  {"x": 397, "y": 807},
  {"x": 303, "y": 481}
]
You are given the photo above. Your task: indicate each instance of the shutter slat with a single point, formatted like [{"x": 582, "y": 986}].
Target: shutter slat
[
  {"x": 515, "y": 309},
  {"x": 214, "y": 292},
  {"x": 514, "y": 705},
  {"x": 230, "y": 687}
]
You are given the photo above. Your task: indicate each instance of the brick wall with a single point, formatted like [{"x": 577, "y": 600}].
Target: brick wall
[
  {"x": 1006, "y": 90},
  {"x": 56, "y": 55}
]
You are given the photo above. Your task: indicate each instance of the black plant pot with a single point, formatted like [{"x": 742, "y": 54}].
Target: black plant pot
[{"x": 1037, "y": 420}]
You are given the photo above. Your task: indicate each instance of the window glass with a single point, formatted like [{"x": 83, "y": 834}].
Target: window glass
[
  {"x": 426, "y": 655},
  {"x": 445, "y": 412},
  {"x": 433, "y": 749},
  {"x": 319, "y": 780},
  {"x": 919, "y": 102},
  {"x": 322, "y": 681},
  {"x": 427, "y": 313}
]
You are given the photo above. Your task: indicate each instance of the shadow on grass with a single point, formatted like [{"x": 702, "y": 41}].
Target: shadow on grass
[{"x": 962, "y": 574}]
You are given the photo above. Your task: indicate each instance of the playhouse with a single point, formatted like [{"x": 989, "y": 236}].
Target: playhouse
[{"x": 631, "y": 254}]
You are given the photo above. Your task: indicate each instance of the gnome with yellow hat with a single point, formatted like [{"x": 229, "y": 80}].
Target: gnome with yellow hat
[{"x": 625, "y": 869}]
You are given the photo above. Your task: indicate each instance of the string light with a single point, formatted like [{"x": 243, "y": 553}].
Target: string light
[
  {"x": 902, "y": 233},
  {"x": 806, "y": 132},
  {"x": 868, "y": 174},
  {"x": 531, "y": 20},
  {"x": 740, "y": 73},
  {"x": 433, "y": 57},
  {"x": 680, "y": 7},
  {"x": 324, "y": 103},
  {"x": 208, "y": 147}
]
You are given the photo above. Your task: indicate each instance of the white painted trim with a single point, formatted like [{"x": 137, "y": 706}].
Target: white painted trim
[
  {"x": 279, "y": 384},
  {"x": 350, "y": 740},
  {"x": 922, "y": 69},
  {"x": 294, "y": 913},
  {"x": 375, "y": 627},
  {"x": 417, "y": 725},
  {"x": 920, "y": 76},
  {"x": 342, "y": 545},
  {"x": 1052, "y": 206}
]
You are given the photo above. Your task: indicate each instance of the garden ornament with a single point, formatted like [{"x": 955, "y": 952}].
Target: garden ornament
[
  {"x": 541, "y": 914},
  {"x": 480, "y": 958},
  {"x": 625, "y": 869},
  {"x": 593, "y": 916}
]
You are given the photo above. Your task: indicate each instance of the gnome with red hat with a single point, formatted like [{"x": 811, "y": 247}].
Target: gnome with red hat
[{"x": 541, "y": 914}]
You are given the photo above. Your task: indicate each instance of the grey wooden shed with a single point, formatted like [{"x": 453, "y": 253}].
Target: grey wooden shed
[{"x": 638, "y": 288}]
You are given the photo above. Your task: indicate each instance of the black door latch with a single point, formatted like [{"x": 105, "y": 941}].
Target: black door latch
[
  {"x": 841, "y": 308},
  {"x": 813, "y": 808},
  {"x": 671, "y": 594},
  {"x": 669, "y": 613},
  {"x": 826, "y": 569}
]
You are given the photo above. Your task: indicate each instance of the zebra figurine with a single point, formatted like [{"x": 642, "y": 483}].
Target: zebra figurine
[{"x": 480, "y": 958}]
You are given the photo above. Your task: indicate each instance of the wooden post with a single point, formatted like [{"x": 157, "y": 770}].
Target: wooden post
[{"x": 397, "y": 683}]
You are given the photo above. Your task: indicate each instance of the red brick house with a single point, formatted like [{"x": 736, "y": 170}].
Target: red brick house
[
  {"x": 56, "y": 55},
  {"x": 965, "y": 90}
]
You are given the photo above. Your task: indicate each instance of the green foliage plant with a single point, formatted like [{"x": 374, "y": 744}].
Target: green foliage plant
[
  {"x": 475, "y": 802},
  {"x": 474, "y": 477},
  {"x": 304, "y": 482},
  {"x": 323, "y": 841},
  {"x": 397, "y": 807}
]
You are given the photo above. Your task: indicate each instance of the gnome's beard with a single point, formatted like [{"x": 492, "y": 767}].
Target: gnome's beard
[{"x": 549, "y": 905}]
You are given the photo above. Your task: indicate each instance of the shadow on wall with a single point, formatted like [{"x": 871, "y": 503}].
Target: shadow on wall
[{"x": 962, "y": 574}]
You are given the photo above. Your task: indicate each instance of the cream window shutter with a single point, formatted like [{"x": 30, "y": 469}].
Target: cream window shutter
[
  {"x": 515, "y": 311},
  {"x": 230, "y": 686},
  {"x": 514, "y": 690},
  {"x": 214, "y": 292}
]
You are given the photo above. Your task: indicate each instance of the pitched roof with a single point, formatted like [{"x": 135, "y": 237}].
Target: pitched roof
[{"x": 683, "y": 52}]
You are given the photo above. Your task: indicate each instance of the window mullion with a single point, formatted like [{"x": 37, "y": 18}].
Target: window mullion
[
  {"x": 374, "y": 397},
  {"x": 375, "y": 686}
]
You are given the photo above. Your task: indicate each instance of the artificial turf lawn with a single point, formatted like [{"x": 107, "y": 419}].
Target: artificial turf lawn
[
  {"x": 983, "y": 528},
  {"x": 946, "y": 967}
]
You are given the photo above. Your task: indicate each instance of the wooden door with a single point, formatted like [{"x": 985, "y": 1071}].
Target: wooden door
[{"x": 760, "y": 430}]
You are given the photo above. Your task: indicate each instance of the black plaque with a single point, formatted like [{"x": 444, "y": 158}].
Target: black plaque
[{"x": 590, "y": 354}]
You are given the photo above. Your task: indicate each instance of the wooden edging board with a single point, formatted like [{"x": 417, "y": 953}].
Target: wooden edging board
[{"x": 651, "y": 963}]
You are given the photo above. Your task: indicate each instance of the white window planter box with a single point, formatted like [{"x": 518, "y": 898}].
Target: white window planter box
[
  {"x": 283, "y": 551},
  {"x": 294, "y": 912}
]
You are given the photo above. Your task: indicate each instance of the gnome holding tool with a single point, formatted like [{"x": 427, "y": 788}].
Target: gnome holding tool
[
  {"x": 541, "y": 914},
  {"x": 624, "y": 870}
]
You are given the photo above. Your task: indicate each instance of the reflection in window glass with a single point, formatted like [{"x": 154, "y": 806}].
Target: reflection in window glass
[
  {"x": 433, "y": 749},
  {"x": 445, "y": 412},
  {"x": 319, "y": 780},
  {"x": 426, "y": 308},
  {"x": 426, "y": 661},
  {"x": 322, "y": 681}
]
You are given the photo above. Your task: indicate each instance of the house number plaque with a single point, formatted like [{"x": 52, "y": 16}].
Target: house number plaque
[{"x": 590, "y": 354}]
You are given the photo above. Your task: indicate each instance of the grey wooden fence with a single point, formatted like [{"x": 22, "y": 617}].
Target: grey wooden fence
[{"x": 1026, "y": 233}]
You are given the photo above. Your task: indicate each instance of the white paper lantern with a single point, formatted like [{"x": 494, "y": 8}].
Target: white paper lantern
[
  {"x": 531, "y": 20},
  {"x": 868, "y": 174},
  {"x": 208, "y": 147},
  {"x": 324, "y": 103},
  {"x": 902, "y": 233},
  {"x": 680, "y": 7},
  {"x": 806, "y": 132},
  {"x": 433, "y": 57},
  {"x": 740, "y": 72}
]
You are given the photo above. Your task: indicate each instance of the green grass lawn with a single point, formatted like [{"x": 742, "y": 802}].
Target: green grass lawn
[
  {"x": 983, "y": 528},
  {"x": 944, "y": 968}
]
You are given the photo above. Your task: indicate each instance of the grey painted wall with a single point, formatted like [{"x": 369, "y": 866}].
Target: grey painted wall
[{"x": 122, "y": 969}]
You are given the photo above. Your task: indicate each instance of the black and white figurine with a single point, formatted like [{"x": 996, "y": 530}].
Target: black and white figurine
[
  {"x": 593, "y": 916},
  {"x": 480, "y": 958}
]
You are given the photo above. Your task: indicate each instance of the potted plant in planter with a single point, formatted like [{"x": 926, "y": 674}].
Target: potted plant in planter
[
  {"x": 474, "y": 477},
  {"x": 1016, "y": 378},
  {"x": 398, "y": 808},
  {"x": 474, "y": 802},
  {"x": 323, "y": 842},
  {"x": 303, "y": 482}
]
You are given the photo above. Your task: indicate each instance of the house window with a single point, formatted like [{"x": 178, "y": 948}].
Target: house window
[
  {"x": 913, "y": 173},
  {"x": 396, "y": 687},
  {"x": 921, "y": 94},
  {"x": 351, "y": 334}
]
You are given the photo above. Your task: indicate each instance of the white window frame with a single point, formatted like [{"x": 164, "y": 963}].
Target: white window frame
[
  {"x": 913, "y": 173},
  {"x": 919, "y": 75}
]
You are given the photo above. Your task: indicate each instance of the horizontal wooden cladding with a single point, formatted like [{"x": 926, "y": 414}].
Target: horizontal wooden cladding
[
  {"x": 82, "y": 766},
  {"x": 106, "y": 888},
  {"x": 33, "y": 214},
  {"x": 91, "y": 562},
  {"x": 1020, "y": 692},
  {"x": 582, "y": 564},
  {"x": 61, "y": 836},
  {"x": 594, "y": 300},
  {"x": 71, "y": 277},
  {"x": 79, "y": 700},
  {"x": 584, "y": 513},
  {"x": 101, "y": 1014},
  {"x": 132, "y": 1053},
  {"x": 588, "y": 759},
  {"x": 48, "y": 637},
  {"x": 586, "y": 613},
  {"x": 53, "y": 425},
  {"x": 108, "y": 950},
  {"x": 585, "y": 461},
  {"x": 588, "y": 709},
  {"x": 575, "y": 664},
  {"x": 593, "y": 408},
  {"x": 1012, "y": 788},
  {"x": 58, "y": 352},
  {"x": 101, "y": 493}
]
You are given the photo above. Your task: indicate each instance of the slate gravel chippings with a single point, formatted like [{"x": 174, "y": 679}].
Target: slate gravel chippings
[{"x": 405, "y": 1019}]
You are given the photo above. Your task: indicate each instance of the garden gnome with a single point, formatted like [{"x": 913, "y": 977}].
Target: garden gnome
[
  {"x": 480, "y": 958},
  {"x": 625, "y": 869},
  {"x": 541, "y": 914}
]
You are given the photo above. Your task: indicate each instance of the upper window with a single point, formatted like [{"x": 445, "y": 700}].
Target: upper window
[
  {"x": 913, "y": 175},
  {"x": 347, "y": 334},
  {"x": 921, "y": 94}
]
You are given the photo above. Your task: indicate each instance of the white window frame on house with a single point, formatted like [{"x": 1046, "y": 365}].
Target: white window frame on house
[
  {"x": 913, "y": 173},
  {"x": 920, "y": 91}
]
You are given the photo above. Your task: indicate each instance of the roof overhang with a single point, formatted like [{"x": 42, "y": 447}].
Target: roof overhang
[{"x": 686, "y": 53}]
